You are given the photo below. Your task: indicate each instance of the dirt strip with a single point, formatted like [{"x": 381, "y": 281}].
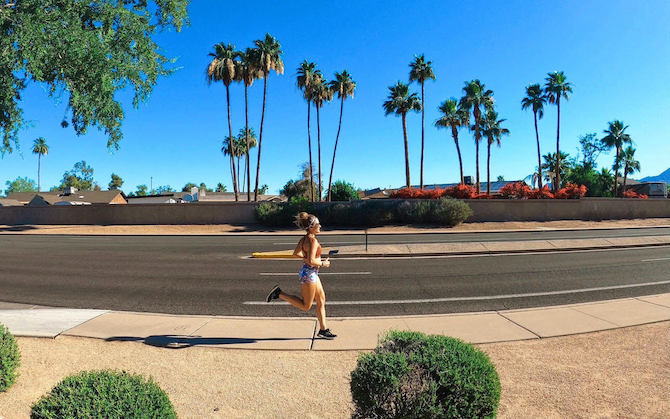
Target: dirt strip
[{"x": 616, "y": 373}]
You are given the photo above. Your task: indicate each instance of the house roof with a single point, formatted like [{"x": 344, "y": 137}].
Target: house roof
[
  {"x": 23, "y": 197},
  {"x": 5, "y": 202},
  {"x": 91, "y": 197}
]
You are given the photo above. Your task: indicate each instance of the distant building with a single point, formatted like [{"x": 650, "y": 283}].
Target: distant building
[
  {"x": 22, "y": 197},
  {"x": 5, "y": 202},
  {"x": 74, "y": 197}
]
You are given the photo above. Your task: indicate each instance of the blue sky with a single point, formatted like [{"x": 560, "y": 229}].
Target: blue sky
[{"x": 615, "y": 53}]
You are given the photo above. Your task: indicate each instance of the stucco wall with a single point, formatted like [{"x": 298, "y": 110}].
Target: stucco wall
[{"x": 243, "y": 212}]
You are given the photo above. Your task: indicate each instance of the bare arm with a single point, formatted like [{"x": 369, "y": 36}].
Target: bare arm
[{"x": 298, "y": 252}]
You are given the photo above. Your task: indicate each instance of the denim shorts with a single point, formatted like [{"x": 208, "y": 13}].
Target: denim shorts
[{"x": 309, "y": 274}]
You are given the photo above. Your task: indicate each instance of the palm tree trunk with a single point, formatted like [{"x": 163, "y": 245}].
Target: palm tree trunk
[
  {"x": 246, "y": 133},
  {"x": 230, "y": 145},
  {"x": 404, "y": 131},
  {"x": 488, "y": 168},
  {"x": 558, "y": 149},
  {"x": 454, "y": 133},
  {"x": 477, "y": 138},
  {"x": 39, "y": 158},
  {"x": 309, "y": 146},
  {"x": 616, "y": 173},
  {"x": 318, "y": 135},
  {"x": 238, "y": 175},
  {"x": 539, "y": 158},
  {"x": 260, "y": 136},
  {"x": 422, "y": 132},
  {"x": 332, "y": 165},
  {"x": 625, "y": 176}
]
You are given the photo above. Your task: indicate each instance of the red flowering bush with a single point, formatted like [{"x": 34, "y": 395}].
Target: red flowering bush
[
  {"x": 544, "y": 193},
  {"x": 460, "y": 191},
  {"x": 517, "y": 190},
  {"x": 632, "y": 194},
  {"x": 571, "y": 191},
  {"x": 411, "y": 193}
]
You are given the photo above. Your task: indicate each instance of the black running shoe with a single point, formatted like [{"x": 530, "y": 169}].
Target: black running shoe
[
  {"x": 326, "y": 334},
  {"x": 274, "y": 294}
]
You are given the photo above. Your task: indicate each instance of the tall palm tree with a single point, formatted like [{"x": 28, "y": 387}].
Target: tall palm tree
[
  {"x": 400, "y": 101},
  {"x": 344, "y": 86},
  {"x": 306, "y": 74},
  {"x": 493, "y": 131},
  {"x": 230, "y": 147},
  {"x": 222, "y": 69},
  {"x": 268, "y": 57},
  {"x": 246, "y": 72},
  {"x": 320, "y": 93},
  {"x": 454, "y": 117},
  {"x": 420, "y": 71},
  {"x": 535, "y": 99},
  {"x": 475, "y": 98},
  {"x": 616, "y": 138},
  {"x": 244, "y": 143},
  {"x": 557, "y": 86},
  {"x": 630, "y": 164},
  {"x": 40, "y": 148}
]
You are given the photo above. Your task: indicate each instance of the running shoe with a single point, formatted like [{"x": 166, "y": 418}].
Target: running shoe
[
  {"x": 326, "y": 334},
  {"x": 274, "y": 294}
]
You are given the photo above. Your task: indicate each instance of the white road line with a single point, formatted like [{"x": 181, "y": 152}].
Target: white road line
[
  {"x": 320, "y": 273},
  {"x": 487, "y": 297},
  {"x": 324, "y": 243},
  {"x": 654, "y": 260}
]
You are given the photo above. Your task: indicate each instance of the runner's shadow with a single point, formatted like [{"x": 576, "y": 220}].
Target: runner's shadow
[{"x": 180, "y": 341}]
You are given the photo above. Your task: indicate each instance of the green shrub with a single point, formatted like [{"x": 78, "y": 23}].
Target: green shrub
[
  {"x": 104, "y": 394},
  {"x": 343, "y": 191},
  {"x": 282, "y": 214},
  {"x": 448, "y": 211},
  {"x": 411, "y": 374},
  {"x": 9, "y": 358}
]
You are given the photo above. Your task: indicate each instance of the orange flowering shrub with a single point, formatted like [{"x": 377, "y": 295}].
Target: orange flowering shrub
[
  {"x": 544, "y": 193},
  {"x": 571, "y": 191},
  {"x": 460, "y": 191},
  {"x": 411, "y": 193},
  {"x": 517, "y": 190},
  {"x": 632, "y": 194}
]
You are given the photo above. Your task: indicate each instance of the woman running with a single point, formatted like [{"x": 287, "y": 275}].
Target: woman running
[{"x": 309, "y": 250}]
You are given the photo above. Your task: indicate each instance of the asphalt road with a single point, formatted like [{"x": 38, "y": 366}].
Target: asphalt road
[{"x": 213, "y": 275}]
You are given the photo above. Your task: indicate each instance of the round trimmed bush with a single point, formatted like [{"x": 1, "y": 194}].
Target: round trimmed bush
[
  {"x": 104, "y": 394},
  {"x": 9, "y": 358},
  {"x": 411, "y": 374}
]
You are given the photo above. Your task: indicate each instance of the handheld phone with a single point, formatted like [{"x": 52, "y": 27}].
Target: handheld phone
[{"x": 332, "y": 253}]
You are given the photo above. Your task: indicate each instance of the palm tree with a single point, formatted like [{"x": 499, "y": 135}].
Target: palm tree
[
  {"x": 268, "y": 57},
  {"x": 535, "y": 99},
  {"x": 222, "y": 69},
  {"x": 549, "y": 165},
  {"x": 344, "y": 86},
  {"x": 476, "y": 96},
  {"x": 454, "y": 117},
  {"x": 306, "y": 74},
  {"x": 630, "y": 164},
  {"x": 320, "y": 93},
  {"x": 400, "y": 101},
  {"x": 616, "y": 138},
  {"x": 246, "y": 72},
  {"x": 230, "y": 147},
  {"x": 605, "y": 180},
  {"x": 420, "y": 71},
  {"x": 556, "y": 87},
  {"x": 40, "y": 148},
  {"x": 244, "y": 144},
  {"x": 493, "y": 131}
]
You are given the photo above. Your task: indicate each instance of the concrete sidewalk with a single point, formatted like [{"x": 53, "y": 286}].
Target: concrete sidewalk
[
  {"x": 489, "y": 247},
  {"x": 177, "y": 331}
]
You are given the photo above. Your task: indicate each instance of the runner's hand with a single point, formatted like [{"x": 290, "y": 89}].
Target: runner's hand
[{"x": 326, "y": 263}]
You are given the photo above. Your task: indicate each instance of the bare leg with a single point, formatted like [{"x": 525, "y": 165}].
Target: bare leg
[
  {"x": 308, "y": 291},
  {"x": 321, "y": 306}
]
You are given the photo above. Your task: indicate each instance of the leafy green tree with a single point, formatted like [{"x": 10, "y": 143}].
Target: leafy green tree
[
  {"x": 40, "y": 148},
  {"x": 141, "y": 190},
  {"x": 263, "y": 189},
  {"x": 268, "y": 56},
  {"x": 344, "y": 86},
  {"x": 557, "y": 86},
  {"x": 307, "y": 72},
  {"x": 585, "y": 175},
  {"x": 591, "y": 147},
  {"x": 493, "y": 131},
  {"x": 606, "y": 180},
  {"x": 630, "y": 165},
  {"x": 222, "y": 69},
  {"x": 116, "y": 182},
  {"x": 204, "y": 187},
  {"x": 247, "y": 72},
  {"x": 220, "y": 187},
  {"x": 501, "y": 178},
  {"x": 535, "y": 99},
  {"x": 420, "y": 71},
  {"x": 162, "y": 190},
  {"x": 320, "y": 93},
  {"x": 20, "y": 184},
  {"x": 475, "y": 97},
  {"x": 343, "y": 191},
  {"x": 300, "y": 187},
  {"x": 616, "y": 138},
  {"x": 80, "y": 177},
  {"x": 90, "y": 50},
  {"x": 453, "y": 116},
  {"x": 188, "y": 186},
  {"x": 399, "y": 102}
]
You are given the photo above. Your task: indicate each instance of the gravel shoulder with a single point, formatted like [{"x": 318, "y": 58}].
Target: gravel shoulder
[{"x": 615, "y": 373}]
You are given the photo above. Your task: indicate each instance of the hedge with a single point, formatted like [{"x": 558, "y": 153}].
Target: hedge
[{"x": 10, "y": 358}]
